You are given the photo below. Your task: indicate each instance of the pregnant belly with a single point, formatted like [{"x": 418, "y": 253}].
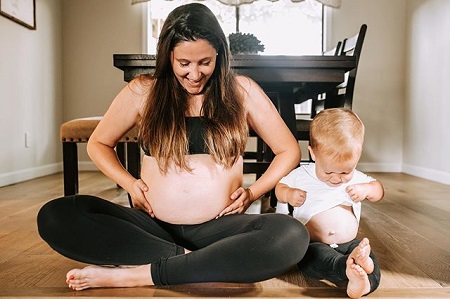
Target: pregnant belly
[{"x": 182, "y": 197}]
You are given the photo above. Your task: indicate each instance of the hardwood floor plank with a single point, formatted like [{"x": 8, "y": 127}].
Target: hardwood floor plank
[
  {"x": 213, "y": 291},
  {"x": 401, "y": 250}
]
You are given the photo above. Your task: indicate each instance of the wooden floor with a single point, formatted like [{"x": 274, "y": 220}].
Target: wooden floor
[{"x": 409, "y": 232}]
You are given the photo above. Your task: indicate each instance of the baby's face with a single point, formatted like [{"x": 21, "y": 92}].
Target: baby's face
[{"x": 332, "y": 172}]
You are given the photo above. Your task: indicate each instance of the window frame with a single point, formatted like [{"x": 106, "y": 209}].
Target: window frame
[{"x": 147, "y": 43}]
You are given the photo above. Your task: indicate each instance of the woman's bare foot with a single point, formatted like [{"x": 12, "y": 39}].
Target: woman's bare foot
[
  {"x": 360, "y": 255},
  {"x": 358, "y": 282},
  {"x": 97, "y": 277}
]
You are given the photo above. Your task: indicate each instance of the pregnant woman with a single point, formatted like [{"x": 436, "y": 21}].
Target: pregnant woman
[{"x": 187, "y": 223}]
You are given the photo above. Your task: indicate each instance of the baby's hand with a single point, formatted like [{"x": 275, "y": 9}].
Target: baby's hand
[
  {"x": 357, "y": 192},
  {"x": 138, "y": 197},
  {"x": 295, "y": 197}
]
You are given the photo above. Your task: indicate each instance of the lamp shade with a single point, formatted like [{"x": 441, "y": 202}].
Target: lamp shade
[{"x": 332, "y": 3}]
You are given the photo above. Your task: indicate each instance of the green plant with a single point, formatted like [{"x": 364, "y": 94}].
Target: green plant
[{"x": 244, "y": 43}]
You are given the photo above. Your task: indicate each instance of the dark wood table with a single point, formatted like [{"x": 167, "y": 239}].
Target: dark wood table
[{"x": 280, "y": 75}]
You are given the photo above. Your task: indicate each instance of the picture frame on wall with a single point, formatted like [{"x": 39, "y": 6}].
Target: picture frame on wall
[{"x": 20, "y": 11}]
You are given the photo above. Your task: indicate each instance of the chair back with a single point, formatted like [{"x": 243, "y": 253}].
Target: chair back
[
  {"x": 336, "y": 51},
  {"x": 323, "y": 97},
  {"x": 343, "y": 95}
]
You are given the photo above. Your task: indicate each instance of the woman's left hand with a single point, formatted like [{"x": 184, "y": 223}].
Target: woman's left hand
[{"x": 241, "y": 201}]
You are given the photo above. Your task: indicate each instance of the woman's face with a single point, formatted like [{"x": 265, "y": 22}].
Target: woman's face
[{"x": 193, "y": 63}]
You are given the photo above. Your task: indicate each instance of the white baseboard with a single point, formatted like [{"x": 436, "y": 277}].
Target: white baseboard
[
  {"x": 428, "y": 174},
  {"x": 87, "y": 166},
  {"x": 379, "y": 167},
  {"x": 35, "y": 172},
  {"x": 22, "y": 175}
]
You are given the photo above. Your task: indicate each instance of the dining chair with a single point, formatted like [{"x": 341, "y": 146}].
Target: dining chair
[
  {"x": 78, "y": 131},
  {"x": 337, "y": 96},
  {"x": 342, "y": 96},
  {"x": 313, "y": 91},
  {"x": 257, "y": 161},
  {"x": 258, "y": 157}
]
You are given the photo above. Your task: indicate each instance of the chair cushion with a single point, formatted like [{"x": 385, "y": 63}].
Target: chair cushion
[{"x": 80, "y": 129}]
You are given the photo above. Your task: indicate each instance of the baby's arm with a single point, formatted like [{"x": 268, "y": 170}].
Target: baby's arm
[
  {"x": 372, "y": 191},
  {"x": 295, "y": 197}
]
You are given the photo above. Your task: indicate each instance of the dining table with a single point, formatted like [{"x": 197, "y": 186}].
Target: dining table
[{"x": 281, "y": 76}]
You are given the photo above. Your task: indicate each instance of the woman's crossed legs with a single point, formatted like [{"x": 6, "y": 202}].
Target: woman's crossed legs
[{"x": 236, "y": 248}]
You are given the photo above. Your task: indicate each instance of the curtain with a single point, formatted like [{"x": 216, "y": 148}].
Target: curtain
[{"x": 332, "y": 3}]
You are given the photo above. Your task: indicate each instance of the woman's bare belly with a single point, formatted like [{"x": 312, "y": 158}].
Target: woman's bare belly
[
  {"x": 336, "y": 225},
  {"x": 180, "y": 197}
]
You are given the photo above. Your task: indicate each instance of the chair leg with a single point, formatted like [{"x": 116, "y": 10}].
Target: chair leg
[
  {"x": 273, "y": 198},
  {"x": 133, "y": 159},
  {"x": 120, "y": 149},
  {"x": 70, "y": 168},
  {"x": 133, "y": 162}
]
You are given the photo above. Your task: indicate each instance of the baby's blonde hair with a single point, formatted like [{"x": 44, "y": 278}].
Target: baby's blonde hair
[{"x": 338, "y": 133}]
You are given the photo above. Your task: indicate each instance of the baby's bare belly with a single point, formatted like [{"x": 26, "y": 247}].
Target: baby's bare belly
[
  {"x": 336, "y": 225},
  {"x": 181, "y": 197}
]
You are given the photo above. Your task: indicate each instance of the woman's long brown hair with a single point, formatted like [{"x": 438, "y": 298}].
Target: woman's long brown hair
[{"x": 163, "y": 125}]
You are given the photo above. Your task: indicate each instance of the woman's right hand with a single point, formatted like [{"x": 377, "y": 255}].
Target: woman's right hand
[{"x": 138, "y": 197}]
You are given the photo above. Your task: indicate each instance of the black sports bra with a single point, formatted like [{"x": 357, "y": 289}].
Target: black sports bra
[{"x": 195, "y": 130}]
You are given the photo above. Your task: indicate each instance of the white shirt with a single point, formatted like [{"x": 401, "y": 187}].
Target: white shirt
[{"x": 320, "y": 197}]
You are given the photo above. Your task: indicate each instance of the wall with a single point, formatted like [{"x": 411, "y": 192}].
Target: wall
[
  {"x": 426, "y": 144},
  {"x": 30, "y": 95},
  {"x": 64, "y": 70},
  {"x": 93, "y": 32},
  {"x": 379, "y": 93},
  {"x": 379, "y": 90}
]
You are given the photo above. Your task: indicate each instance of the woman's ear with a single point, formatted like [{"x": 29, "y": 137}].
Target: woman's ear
[{"x": 311, "y": 153}]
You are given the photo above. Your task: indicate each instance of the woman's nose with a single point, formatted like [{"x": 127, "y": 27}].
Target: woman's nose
[
  {"x": 194, "y": 76},
  {"x": 194, "y": 73}
]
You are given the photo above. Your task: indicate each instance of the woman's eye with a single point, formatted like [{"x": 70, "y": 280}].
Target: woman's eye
[
  {"x": 184, "y": 64},
  {"x": 206, "y": 63}
]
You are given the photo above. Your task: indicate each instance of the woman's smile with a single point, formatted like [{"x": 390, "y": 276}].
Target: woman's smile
[{"x": 193, "y": 63}]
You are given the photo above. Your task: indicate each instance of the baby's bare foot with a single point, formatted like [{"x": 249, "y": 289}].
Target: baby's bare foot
[
  {"x": 358, "y": 282},
  {"x": 360, "y": 256},
  {"x": 97, "y": 277}
]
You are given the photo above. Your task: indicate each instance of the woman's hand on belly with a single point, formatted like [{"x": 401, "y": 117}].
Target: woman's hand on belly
[
  {"x": 240, "y": 202},
  {"x": 138, "y": 199},
  {"x": 182, "y": 197}
]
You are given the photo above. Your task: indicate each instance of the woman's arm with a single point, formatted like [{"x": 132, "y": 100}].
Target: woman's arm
[
  {"x": 121, "y": 116},
  {"x": 265, "y": 120}
]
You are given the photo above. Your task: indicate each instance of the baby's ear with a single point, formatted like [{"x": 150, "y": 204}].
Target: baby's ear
[{"x": 311, "y": 153}]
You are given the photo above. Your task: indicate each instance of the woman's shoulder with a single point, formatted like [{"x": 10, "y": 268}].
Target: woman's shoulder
[
  {"x": 139, "y": 88},
  {"x": 244, "y": 81},
  {"x": 249, "y": 88},
  {"x": 141, "y": 85}
]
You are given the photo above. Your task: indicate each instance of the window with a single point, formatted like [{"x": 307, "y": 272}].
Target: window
[{"x": 283, "y": 27}]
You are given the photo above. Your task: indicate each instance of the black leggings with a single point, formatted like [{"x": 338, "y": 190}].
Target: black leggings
[
  {"x": 236, "y": 248},
  {"x": 324, "y": 262}
]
